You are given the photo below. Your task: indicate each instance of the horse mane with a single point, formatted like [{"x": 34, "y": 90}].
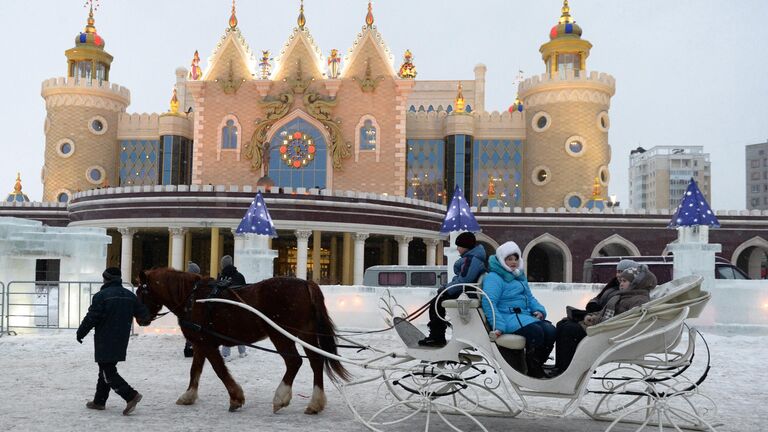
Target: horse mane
[{"x": 177, "y": 283}]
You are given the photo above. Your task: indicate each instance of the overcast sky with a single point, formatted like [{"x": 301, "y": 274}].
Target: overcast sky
[{"x": 687, "y": 72}]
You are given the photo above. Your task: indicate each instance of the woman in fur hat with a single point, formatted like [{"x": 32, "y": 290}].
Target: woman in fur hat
[
  {"x": 516, "y": 310},
  {"x": 635, "y": 285}
]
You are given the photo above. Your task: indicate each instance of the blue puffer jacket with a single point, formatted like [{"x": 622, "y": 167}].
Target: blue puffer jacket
[
  {"x": 507, "y": 292},
  {"x": 469, "y": 267}
]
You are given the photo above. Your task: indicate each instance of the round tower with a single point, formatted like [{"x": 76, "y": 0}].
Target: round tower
[
  {"x": 567, "y": 122},
  {"x": 81, "y": 122}
]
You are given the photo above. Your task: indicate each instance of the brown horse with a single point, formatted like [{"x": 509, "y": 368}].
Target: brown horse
[{"x": 296, "y": 305}]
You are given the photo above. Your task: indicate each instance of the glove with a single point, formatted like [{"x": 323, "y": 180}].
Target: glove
[{"x": 79, "y": 338}]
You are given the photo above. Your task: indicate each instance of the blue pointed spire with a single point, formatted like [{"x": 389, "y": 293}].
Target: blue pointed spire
[
  {"x": 693, "y": 210},
  {"x": 459, "y": 217},
  {"x": 257, "y": 219}
]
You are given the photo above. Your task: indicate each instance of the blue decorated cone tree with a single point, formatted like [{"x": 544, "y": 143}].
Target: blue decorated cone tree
[
  {"x": 693, "y": 253},
  {"x": 458, "y": 219},
  {"x": 253, "y": 256}
]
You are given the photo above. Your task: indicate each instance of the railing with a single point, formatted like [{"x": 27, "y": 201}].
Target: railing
[
  {"x": 47, "y": 304},
  {"x": 2, "y": 309}
]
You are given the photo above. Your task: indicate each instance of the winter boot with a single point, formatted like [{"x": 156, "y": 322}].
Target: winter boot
[
  {"x": 131, "y": 405},
  {"x": 534, "y": 363},
  {"x": 94, "y": 406}
]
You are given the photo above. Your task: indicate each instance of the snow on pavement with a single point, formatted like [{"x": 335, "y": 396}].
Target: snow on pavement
[{"x": 47, "y": 378}]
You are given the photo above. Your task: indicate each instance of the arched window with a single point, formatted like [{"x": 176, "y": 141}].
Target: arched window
[
  {"x": 298, "y": 155},
  {"x": 229, "y": 140},
  {"x": 367, "y": 136},
  {"x": 229, "y": 135}
]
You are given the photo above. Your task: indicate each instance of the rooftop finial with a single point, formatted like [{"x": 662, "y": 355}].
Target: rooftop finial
[
  {"x": 90, "y": 27},
  {"x": 233, "y": 17},
  {"x": 301, "y": 21},
  {"x": 174, "y": 108},
  {"x": 566, "y": 16},
  {"x": 597, "y": 191},
  {"x": 369, "y": 17},
  {"x": 17, "y": 186},
  {"x": 460, "y": 102}
]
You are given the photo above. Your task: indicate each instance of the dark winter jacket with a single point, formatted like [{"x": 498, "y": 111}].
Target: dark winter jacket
[
  {"x": 111, "y": 313},
  {"x": 511, "y": 300},
  {"x": 600, "y": 300},
  {"x": 617, "y": 301},
  {"x": 230, "y": 273},
  {"x": 469, "y": 267}
]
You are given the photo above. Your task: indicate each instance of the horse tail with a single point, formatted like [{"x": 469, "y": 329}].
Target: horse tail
[{"x": 326, "y": 334}]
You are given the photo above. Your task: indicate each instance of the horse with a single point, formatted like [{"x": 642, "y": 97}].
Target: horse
[{"x": 296, "y": 305}]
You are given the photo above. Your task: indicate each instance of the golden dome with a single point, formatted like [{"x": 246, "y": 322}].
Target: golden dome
[
  {"x": 89, "y": 36},
  {"x": 566, "y": 26}
]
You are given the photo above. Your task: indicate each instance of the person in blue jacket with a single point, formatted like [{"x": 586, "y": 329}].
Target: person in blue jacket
[
  {"x": 467, "y": 269},
  {"x": 510, "y": 307}
]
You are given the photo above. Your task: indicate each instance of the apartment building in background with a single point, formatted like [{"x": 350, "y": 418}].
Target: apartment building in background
[
  {"x": 756, "y": 160},
  {"x": 659, "y": 176}
]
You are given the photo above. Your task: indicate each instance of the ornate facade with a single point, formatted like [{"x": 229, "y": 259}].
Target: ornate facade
[
  {"x": 358, "y": 123},
  {"x": 370, "y": 149}
]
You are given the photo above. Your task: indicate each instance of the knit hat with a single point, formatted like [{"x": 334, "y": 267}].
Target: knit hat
[
  {"x": 466, "y": 240},
  {"x": 193, "y": 268},
  {"x": 506, "y": 250},
  {"x": 625, "y": 264},
  {"x": 112, "y": 274},
  {"x": 629, "y": 274},
  {"x": 226, "y": 261}
]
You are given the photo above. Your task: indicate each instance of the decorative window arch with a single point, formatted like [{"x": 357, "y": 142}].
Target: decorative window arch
[
  {"x": 616, "y": 239},
  {"x": 367, "y": 130},
  {"x": 318, "y": 171},
  {"x": 567, "y": 256},
  {"x": 230, "y": 136}
]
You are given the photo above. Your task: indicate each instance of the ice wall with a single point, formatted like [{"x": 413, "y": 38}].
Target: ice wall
[{"x": 82, "y": 253}]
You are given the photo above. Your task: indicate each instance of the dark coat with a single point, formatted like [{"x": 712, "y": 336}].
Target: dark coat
[
  {"x": 230, "y": 273},
  {"x": 616, "y": 301},
  {"x": 111, "y": 314},
  {"x": 469, "y": 267},
  {"x": 601, "y": 299}
]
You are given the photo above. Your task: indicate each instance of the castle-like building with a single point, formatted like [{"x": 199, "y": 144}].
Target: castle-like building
[
  {"x": 355, "y": 156},
  {"x": 359, "y": 122}
]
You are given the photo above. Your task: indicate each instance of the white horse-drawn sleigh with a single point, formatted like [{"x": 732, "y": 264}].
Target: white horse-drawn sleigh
[{"x": 635, "y": 367}]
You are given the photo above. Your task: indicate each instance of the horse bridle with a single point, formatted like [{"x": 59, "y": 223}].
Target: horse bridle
[{"x": 143, "y": 289}]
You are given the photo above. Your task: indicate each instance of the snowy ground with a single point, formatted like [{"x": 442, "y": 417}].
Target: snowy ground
[{"x": 46, "y": 379}]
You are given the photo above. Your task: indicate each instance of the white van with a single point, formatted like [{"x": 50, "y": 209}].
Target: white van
[{"x": 405, "y": 276}]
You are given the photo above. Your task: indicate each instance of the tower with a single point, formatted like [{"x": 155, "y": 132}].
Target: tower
[
  {"x": 81, "y": 121},
  {"x": 567, "y": 122}
]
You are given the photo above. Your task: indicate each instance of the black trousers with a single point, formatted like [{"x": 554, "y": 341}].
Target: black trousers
[
  {"x": 437, "y": 326},
  {"x": 110, "y": 379},
  {"x": 569, "y": 334}
]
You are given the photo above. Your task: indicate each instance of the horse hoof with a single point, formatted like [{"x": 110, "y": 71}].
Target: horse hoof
[
  {"x": 311, "y": 411},
  {"x": 187, "y": 399},
  {"x": 235, "y": 407}
]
